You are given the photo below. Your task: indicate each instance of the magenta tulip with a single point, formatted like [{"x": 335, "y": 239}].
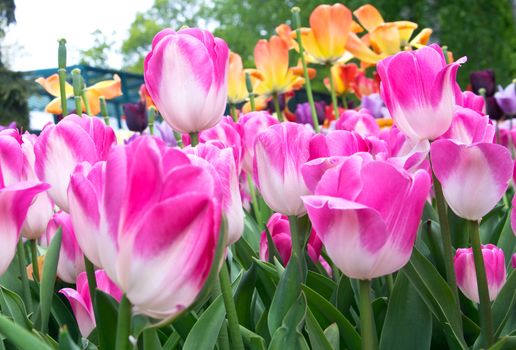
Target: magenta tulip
[
  {"x": 80, "y": 299},
  {"x": 420, "y": 91},
  {"x": 469, "y": 126},
  {"x": 474, "y": 102},
  {"x": 186, "y": 76},
  {"x": 473, "y": 177},
  {"x": 494, "y": 262},
  {"x": 337, "y": 143},
  {"x": 61, "y": 147},
  {"x": 368, "y": 226},
  {"x": 279, "y": 153},
  {"x": 361, "y": 122},
  {"x": 154, "y": 218}
]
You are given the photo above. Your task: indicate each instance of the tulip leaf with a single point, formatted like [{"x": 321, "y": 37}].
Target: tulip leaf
[
  {"x": 408, "y": 323},
  {"x": 106, "y": 309},
  {"x": 151, "y": 339},
  {"x": 251, "y": 233},
  {"x": 504, "y": 307},
  {"x": 65, "y": 341},
  {"x": 244, "y": 254},
  {"x": 437, "y": 295},
  {"x": 184, "y": 324},
  {"x": 332, "y": 334},
  {"x": 317, "y": 338},
  {"x": 505, "y": 343},
  {"x": 321, "y": 284},
  {"x": 252, "y": 340},
  {"x": 20, "y": 337},
  {"x": 344, "y": 296},
  {"x": 205, "y": 332},
  {"x": 12, "y": 306},
  {"x": 329, "y": 314},
  {"x": 46, "y": 288},
  {"x": 289, "y": 335},
  {"x": 64, "y": 317},
  {"x": 244, "y": 296}
]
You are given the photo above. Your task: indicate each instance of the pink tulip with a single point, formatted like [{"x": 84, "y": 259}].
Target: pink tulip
[
  {"x": 337, "y": 143},
  {"x": 71, "y": 259},
  {"x": 473, "y": 177},
  {"x": 361, "y": 122},
  {"x": 222, "y": 160},
  {"x": 15, "y": 201},
  {"x": 279, "y": 153},
  {"x": 17, "y": 164},
  {"x": 469, "y": 126},
  {"x": 61, "y": 147},
  {"x": 513, "y": 261},
  {"x": 368, "y": 226},
  {"x": 252, "y": 124},
  {"x": 155, "y": 219},
  {"x": 186, "y": 76},
  {"x": 279, "y": 229},
  {"x": 420, "y": 91},
  {"x": 494, "y": 262},
  {"x": 80, "y": 299},
  {"x": 474, "y": 102}
]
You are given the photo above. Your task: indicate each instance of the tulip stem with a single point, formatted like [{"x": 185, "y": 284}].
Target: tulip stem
[
  {"x": 446, "y": 236},
  {"x": 279, "y": 115},
  {"x": 390, "y": 283},
  {"x": 294, "y": 233},
  {"x": 486, "y": 318},
  {"x": 194, "y": 138},
  {"x": 34, "y": 258},
  {"x": 369, "y": 338},
  {"x": 296, "y": 21},
  {"x": 86, "y": 104},
  {"x": 344, "y": 101},
  {"x": 254, "y": 200},
  {"x": 103, "y": 110},
  {"x": 333, "y": 95},
  {"x": 27, "y": 298},
  {"x": 123, "y": 327},
  {"x": 233, "y": 110},
  {"x": 62, "y": 90},
  {"x": 78, "y": 105},
  {"x": 151, "y": 119},
  {"x": 229, "y": 303},
  {"x": 249, "y": 86},
  {"x": 92, "y": 280}
]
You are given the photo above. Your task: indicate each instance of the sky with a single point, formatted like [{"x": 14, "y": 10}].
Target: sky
[{"x": 32, "y": 42}]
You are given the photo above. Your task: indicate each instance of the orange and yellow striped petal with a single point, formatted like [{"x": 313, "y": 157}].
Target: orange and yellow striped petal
[
  {"x": 360, "y": 50},
  {"x": 422, "y": 38},
  {"x": 406, "y": 29}
]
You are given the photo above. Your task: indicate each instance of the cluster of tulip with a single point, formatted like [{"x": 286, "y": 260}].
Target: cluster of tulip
[{"x": 250, "y": 231}]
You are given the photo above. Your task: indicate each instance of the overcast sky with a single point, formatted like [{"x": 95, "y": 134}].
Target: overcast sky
[{"x": 32, "y": 42}]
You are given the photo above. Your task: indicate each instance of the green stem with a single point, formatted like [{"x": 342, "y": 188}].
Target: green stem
[
  {"x": 27, "y": 298},
  {"x": 344, "y": 101},
  {"x": 92, "y": 280},
  {"x": 254, "y": 200},
  {"x": 78, "y": 106},
  {"x": 446, "y": 236},
  {"x": 86, "y": 104},
  {"x": 233, "y": 325},
  {"x": 152, "y": 119},
  {"x": 279, "y": 115},
  {"x": 34, "y": 256},
  {"x": 333, "y": 95},
  {"x": 308, "y": 85},
  {"x": 390, "y": 283},
  {"x": 486, "y": 318},
  {"x": 194, "y": 139},
  {"x": 104, "y": 110},
  {"x": 62, "y": 90},
  {"x": 123, "y": 328},
  {"x": 369, "y": 338},
  {"x": 294, "y": 233},
  {"x": 249, "y": 86},
  {"x": 233, "y": 110}
]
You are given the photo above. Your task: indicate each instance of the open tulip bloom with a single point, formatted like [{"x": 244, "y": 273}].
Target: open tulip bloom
[{"x": 386, "y": 220}]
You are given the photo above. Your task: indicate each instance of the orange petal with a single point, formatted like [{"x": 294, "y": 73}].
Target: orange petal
[
  {"x": 311, "y": 46},
  {"x": 237, "y": 90},
  {"x": 331, "y": 26},
  {"x": 358, "y": 49},
  {"x": 288, "y": 35},
  {"x": 30, "y": 268},
  {"x": 369, "y": 17},
  {"x": 387, "y": 37},
  {"x": 108, "y": 88},
  {"x": 93, "y": 101},
  {"x": 356, "y": 28},
  {"x": 406, "y": 28},
  {"x": 421, "y": 39},
  {"x": 51, "y": 85},
  {"x": 54, "y": 106}
]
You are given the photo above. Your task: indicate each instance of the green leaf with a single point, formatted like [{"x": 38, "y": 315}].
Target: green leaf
[
  {"x": 184, "y": 324},
  {"x": 19, "y": 336},
  {"x": 328, "y": 314},
  {"x": 244, "y": 252},
  {"x": 46, "y": 291},
  {"x": 317, "y": 338},
  {"x": 408, "y": 324},
  {"x": 65, "y": 318},
  {"x": 321, "y": 284},
  {"x": 244, "y": 296},
  {"x": 12, "y": 306},
  {"x": 289, "y": 335},
  {"x": 206, "y": 330},
  {"x": 344, "y": 296},
  {"x": 332, "y": 334},
  {"x": 437, "y": 295},
  {"x": 106, "y": 309},
  {"x": 504, "y": 306},
  {"x": 493, "y": 236},
  {"x": 505, "y": 343},
  {"x": 65, "y": 341},
  {"x": 251, "y": 233},
  {"x": 252, "y": 340},
  {"x": 151, "y": 339}
]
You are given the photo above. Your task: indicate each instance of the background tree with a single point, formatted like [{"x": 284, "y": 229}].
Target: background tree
[{"x": 98, "y": 54}]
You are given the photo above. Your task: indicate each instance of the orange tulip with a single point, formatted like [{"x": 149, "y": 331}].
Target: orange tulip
[
  {"x": 271, "y": 59},
  {"x": 237, "y": 90},
  {"x": 145, "y": 97},
  {"x": 344, "y": 78},
  {"x": 51, "y": 85}
]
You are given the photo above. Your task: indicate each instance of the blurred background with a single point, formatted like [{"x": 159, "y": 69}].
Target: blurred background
[{"x": 113, "y": 36}]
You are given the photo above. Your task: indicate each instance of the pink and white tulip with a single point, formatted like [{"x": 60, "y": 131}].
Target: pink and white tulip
[
  {"x": 155, "y": 218},
  {"x": 337, "y": 143},
  {"x": 71, "y": 259},
  {"x": 469, "y": 126},
  {"x": 80, "y": 299},
  {"x": 186, "y": 76},
  {"x": 422, "y": 105},
  {"x": 472, "y": 101},
  {"x": 61, "y": 147},
  {"x": 473, "y": 177},
  {"x": 494, "y": 262},
  {"x": 279, "y": 153},
  {"x": 362, "y": 122},
  {"x": 368, "y": 226}
]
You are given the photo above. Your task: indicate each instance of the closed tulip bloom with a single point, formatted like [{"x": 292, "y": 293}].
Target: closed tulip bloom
[
  {"x": 252, "y": 124},
  {"x": 506, "y": 99},
  {"x": 80, "y": 299},
  {"x": 304, "y": 113},
  {"x": 422, "y": 106},
  {"x": 483, "y": 79},
  {"x": 61, "y": 147},
  {"x": 279, "y": 153},
  {"x": 343, "y": 77},
  {"x": 186, "y": 75},
  {"x": 154, "y": 218},
  {"x": 71, "y": 259},
  {"x": 368, "y": 226},
  {"x": 473, "y": 177},
  {"x": 135, "y": 116},
  {"x": 494, "y": 262}
]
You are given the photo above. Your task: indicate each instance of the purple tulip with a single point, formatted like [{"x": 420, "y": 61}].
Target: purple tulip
[
  {"x": 304, "y": 113},
  {"x": 506, "y": 99},
  {"x": 483, "y": 79},
  {"x": 135, "y": 116}
]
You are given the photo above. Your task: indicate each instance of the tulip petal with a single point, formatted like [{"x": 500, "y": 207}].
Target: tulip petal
[{"x": 369, "y": 17}]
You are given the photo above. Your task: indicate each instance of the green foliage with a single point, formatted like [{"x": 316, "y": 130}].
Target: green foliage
[
  {"x": 97, "y": 55},
  {"x": 14, "y": 91}
]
